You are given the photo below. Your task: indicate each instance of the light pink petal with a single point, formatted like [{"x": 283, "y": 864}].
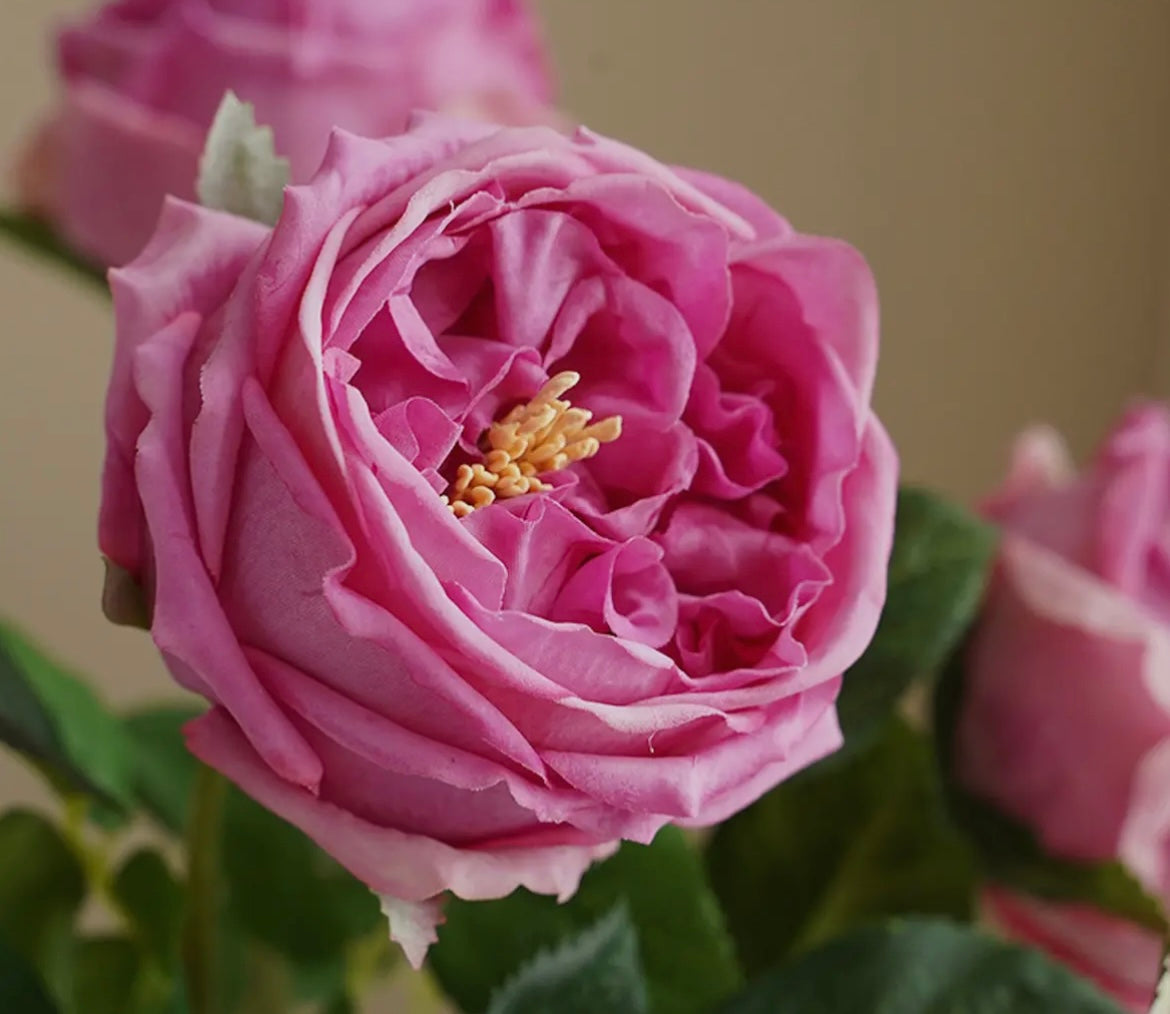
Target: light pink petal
[
  {"x": 1040, "y": 462},
  {"x": 1062, "y": 701},
  {"x": 111, "y": 165},
  {"x": 1135, "y": 498},
  {"x": 1145, "y": 834}
]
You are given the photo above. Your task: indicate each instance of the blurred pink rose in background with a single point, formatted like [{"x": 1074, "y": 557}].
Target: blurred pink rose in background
[
  {"x": 600, "y": 633},
  {"x": 1122, "y": 959},
  {"x": 142, "y": 80},
  {"x": 1066, "y": 718}
]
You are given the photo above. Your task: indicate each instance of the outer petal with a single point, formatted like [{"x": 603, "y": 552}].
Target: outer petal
[
  {"x": 1040, "y": 463},
  {"x": 110, "y": 164},
  {"x": 188, "y": 625},
  {"x": 407, "y": 866},
  {"x": 190, "y": 266},
  {"x": 1145, "y": 835},
  {"x": 841, "y": 623},
  {"x": 1067, "y": 688},
  {"x": 835, "y": 289},
  {"x": 1123, "y": 959}
]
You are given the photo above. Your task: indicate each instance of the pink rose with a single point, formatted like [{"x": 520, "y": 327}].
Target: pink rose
[
  {"x": 1122, "y": 959},
  {"x": 1066, "y": 720},
  {"x": 143, "y": 79},
  {"x": 465, "y": 635}
]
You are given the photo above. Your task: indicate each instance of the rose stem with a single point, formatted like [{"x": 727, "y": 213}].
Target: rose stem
[{"x": 204, "y": 831}]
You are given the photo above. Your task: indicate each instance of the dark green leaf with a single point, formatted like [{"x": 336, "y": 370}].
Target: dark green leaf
[
  {"x": 1009, "y": 853},
  {"x": 921, "y": 967},
  {"x": 36, "y": 237},
  {"x": 53, "y": 717},
  {"x": 164, "y": 770},
  {"x": 111, "y": 977},
  {"x": 593, "y": 971},
  {"x": 937, "y": 573},
  {"x": 152, "y": 900},
  {"x": 21, "y": 991},
  {"x": 288, "y": 893},
  {"x": 686, "y": 952},
  {"x": 843, "y": 843},
  {"x": 42, "y": 886}
]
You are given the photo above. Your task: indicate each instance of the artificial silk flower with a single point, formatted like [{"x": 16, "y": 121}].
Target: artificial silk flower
[
  {"x": 141, "y": 81},
  {"x": 1065, "y": 723},
  {"x": 1066, "y": 720},
  {"x": 514, "y": 495}
]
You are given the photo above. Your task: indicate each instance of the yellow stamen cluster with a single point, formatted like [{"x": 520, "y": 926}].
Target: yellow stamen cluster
[{"x": 534, "y": 439}]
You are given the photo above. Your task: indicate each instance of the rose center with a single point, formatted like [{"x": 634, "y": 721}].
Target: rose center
[{"x": 536, "y": 438}]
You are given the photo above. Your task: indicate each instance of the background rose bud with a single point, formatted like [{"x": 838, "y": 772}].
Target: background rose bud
[
  {"x": 1122, "y": 958},
  {"x": 143, "y": 78},
  {"x": 1066, "y": 721},
  {"x": 451, "y": 696}
]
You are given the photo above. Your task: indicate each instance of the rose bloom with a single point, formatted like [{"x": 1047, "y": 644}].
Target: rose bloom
[
  {"x": 143, "y": 79},
  {"x": 515, "y": 495},
  {"x": 1121, "y": 958},
  {"x": 1066, "y": 719}
]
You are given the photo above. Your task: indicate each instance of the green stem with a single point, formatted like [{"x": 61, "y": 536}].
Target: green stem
[{"x": 204, "y": 833}]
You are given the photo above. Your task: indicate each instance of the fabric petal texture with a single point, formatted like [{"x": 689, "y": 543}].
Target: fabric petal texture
[{"x": 511, "y": 497}]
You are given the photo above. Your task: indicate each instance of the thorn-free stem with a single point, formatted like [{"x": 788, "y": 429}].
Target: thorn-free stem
[{"x": 204, "y": 890}]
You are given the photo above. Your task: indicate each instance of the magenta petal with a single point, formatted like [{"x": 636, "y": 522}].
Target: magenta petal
[
  {"x": 626, "y": 591},
  {"x": 584, "y": 663},
  {"x": 188, "y": 623},
  {"x": 837, "y": 294},
  {"x": 692, "y": 785},
  {"x": 408, "y": 866}
]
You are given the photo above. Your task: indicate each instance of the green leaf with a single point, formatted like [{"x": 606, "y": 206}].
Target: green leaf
[
  {"x": 240, "y": 171},
  {"x": 596, "y": 970},
  {"x": 937, "y": 573},
  {"x": 164, "y": 770},
  {"x": 53, "y": 717},
  {"x": 42, "y": 886},
  {"x": 686, "y": 952},
  {"x": 21, "y": 992},
  {"x": 921, "y": 967},
  {"x": 111, "y": 976},
  {"x": 1009, "y": 853},
  {"x": 288, "y": 893},
  {"x": 152, "y": 900},
  {"x": 846, "y": 842},
  {"x": 36, "y": 237}
]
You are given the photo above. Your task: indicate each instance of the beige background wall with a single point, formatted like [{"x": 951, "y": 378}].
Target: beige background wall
[{"x": 1003, "y": 163}]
